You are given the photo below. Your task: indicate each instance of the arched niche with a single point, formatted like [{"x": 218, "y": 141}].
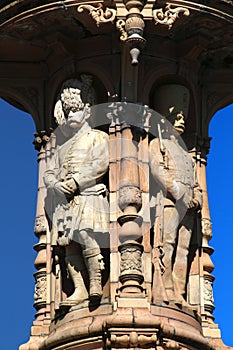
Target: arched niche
[
  {"x": 102, "y": 83},
  {"x": 189, "y": 106}
]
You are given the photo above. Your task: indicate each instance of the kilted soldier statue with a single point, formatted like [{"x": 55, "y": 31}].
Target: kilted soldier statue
[{"x": 75, "y": 178}]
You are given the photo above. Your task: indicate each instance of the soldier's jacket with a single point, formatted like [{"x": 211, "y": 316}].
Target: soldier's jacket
[
  {"x": 85, "y": 158},
  {"x": 173, "y": 170}
]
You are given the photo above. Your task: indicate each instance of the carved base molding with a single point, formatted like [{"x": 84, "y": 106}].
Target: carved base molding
[{"x": 162, "y": 328}]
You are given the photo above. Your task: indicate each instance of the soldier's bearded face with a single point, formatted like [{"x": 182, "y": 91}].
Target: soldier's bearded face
[
  {"x": 76, "y": 119},
  {"x": 74, "y": 108}
]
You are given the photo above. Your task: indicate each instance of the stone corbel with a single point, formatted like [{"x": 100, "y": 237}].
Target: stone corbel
[
  {"x": 168, "y": 15},
  {"x": 99, "y": 14}
]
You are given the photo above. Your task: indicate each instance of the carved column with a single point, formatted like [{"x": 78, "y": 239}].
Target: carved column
[
  {"x": 130, "y": 202},
  {"x": 40, "y": 327},
  {"x": 207, "y": 279},
  {"x": 125, "y": 186}
]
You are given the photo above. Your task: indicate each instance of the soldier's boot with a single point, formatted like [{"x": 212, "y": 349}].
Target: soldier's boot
[
  {"x": 75, "y": 266},
  {"x": 94, "y": 263}
]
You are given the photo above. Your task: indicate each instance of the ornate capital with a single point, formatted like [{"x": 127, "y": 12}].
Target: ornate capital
[
  {"x": 130, "y": 196},
  {"x": 203, "y": 144},
  {"x": 41, "y": 138}
]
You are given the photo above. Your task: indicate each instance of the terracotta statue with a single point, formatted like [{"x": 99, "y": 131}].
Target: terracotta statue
[
  {"x": 174, "y": 173},
  {"x": 75, "y": 177}
]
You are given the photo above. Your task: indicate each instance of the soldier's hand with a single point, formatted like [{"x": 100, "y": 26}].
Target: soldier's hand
[
  {"x": 62, "y": 189},
  {"x": 194, "y": 204},
  {"x": 71, "y": 185},
  {"x": 63, "y": 241}
]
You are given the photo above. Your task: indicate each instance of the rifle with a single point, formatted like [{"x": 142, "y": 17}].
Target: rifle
[{"x": 158, "y": 289}]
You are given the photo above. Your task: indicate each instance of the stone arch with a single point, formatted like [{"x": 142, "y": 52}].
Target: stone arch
[{"x": 192, "y": 117}]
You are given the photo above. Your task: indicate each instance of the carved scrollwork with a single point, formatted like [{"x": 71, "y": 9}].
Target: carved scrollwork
[
  {"x": 168, "y": 15},
  {"x": 120, "y": 24},
  {"x": 99, "y": 14}
]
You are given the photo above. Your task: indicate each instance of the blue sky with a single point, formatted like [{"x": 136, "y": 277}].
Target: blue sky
[{"x": 18, "y": 179}]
